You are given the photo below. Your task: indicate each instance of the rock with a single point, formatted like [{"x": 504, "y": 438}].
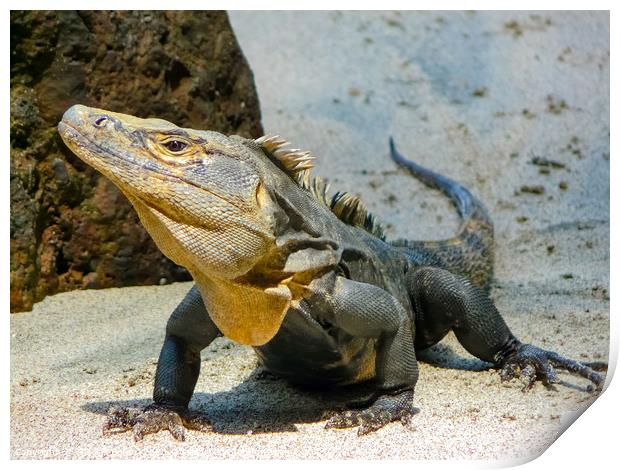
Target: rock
[{"x": 70, "y": 227}]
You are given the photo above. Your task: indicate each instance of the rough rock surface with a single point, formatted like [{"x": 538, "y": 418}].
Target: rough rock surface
[{"x": 70, "y": 227}]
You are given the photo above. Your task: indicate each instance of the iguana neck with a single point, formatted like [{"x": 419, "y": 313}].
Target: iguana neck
[{"x": 250, "y": 309}]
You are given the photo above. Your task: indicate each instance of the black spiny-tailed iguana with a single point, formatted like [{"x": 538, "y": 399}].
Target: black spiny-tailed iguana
[{"x": 306, "y": 279}]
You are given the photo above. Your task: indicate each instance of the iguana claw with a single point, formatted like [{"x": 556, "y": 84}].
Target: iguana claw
[
  {"x": 154, "y": 418},
  {"x": 384, "y": 410},
  {"x": 534, "y": 363}
]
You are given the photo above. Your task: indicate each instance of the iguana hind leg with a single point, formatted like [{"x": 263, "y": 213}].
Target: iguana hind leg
[
  {"x": 534, "y": 363},
  {"x": 445, "y": 301}
]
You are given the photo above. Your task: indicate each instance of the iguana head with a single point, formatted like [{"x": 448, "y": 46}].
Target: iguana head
[{"x": 201, "y": 195}]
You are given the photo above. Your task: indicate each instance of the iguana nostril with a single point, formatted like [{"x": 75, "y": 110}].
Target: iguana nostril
[{"x": 101, "y": 121}]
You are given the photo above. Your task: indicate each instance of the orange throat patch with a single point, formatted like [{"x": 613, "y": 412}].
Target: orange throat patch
[{"x": 243, "y": 313}]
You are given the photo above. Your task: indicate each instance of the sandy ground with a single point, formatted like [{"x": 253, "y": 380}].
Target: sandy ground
[{"x": 477, "y": 96}]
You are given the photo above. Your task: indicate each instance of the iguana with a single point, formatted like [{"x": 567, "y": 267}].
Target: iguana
[{"x": 307, "y": 279}]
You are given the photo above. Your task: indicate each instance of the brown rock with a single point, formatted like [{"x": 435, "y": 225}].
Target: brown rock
[{"x": 70, "y": 227}]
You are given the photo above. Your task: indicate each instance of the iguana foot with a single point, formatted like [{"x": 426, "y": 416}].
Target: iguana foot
[
  {"x": 155, "y": 418},
  {"x": 534, "y": 363},
  {"x": 384, "y": 410}
]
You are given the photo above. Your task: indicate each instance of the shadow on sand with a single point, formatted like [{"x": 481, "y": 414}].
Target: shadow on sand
[
  {"x": 262, "y": 403},
  {"x": 444, "y": 357}
]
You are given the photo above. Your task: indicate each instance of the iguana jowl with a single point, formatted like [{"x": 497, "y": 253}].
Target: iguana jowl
[{"x": 306, "y": 279}]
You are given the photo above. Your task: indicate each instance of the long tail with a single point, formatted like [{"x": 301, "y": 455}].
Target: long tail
[{"x": 470, "y": 251}]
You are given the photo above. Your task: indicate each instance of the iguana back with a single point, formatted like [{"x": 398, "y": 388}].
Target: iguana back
[{"x": 469, "y": 253}]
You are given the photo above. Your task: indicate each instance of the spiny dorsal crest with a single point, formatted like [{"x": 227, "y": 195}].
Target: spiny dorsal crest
[
  {"x": 350, "y": 209},
  {"x": 294, "y": 161}
]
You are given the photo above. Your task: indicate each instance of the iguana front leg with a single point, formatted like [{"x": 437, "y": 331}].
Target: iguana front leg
[
  {"x": 445, "y": 301},
  {"x": 365, "y": 310},
  {"x": 189, "y": 330}
]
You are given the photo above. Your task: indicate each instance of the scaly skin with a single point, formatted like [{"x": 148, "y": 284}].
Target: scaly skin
[{"x": 304, "y": 278}]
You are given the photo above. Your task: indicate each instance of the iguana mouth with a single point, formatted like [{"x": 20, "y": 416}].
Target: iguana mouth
[
  {"x": 74, "y": 138},
  {"x": 71, "y": 134}
]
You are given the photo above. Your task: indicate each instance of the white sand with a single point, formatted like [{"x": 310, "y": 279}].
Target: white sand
[{"x": 340, "y": 84}]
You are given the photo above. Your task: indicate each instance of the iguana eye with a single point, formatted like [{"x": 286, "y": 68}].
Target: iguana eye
[{"x": 175, "y": 145}]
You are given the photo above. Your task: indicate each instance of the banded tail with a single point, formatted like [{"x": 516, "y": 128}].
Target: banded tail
[{"x": 470, "y": 251}]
